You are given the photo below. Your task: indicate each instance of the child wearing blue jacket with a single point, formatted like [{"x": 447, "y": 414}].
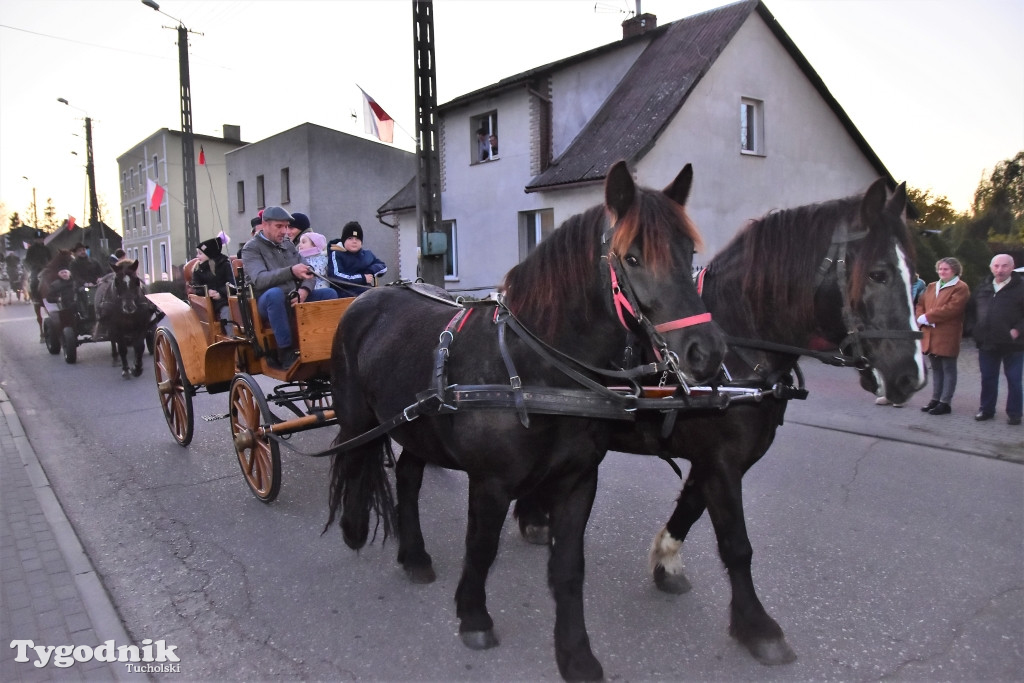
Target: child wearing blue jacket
[{"x": 347, "y": 261}]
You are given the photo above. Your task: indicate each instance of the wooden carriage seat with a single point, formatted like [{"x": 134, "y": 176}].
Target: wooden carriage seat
[{"x": 201, "y": 304}]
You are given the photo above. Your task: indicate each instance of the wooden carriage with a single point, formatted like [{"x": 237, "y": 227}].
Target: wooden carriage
[{"x": 194, "y": 351}]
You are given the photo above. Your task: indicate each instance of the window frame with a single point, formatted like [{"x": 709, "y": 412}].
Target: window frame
[
  {"x": 286, "y": 191},
  {"x": 535, "y": 226},
  {"x": 752, "y": 127},
  {"x": 240, "y": 192},
  {"x": 489, "y": 122},
  {"x": 451, "y": 257},
  {"x": 261, "y": 196}
]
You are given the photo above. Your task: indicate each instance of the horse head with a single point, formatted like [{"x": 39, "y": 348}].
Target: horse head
[
  {"x": 650, "y": 259},
  {"x": 128, "y": 289},
  {"x": 878, "y": 307}
]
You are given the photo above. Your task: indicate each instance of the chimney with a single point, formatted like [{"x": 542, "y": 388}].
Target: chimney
[
  {"x": 638, "y": 25},
  {"x": 232, "y": 133}
]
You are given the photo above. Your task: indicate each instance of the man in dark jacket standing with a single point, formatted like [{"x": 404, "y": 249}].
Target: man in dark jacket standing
[{"x": 999, "y": 334}]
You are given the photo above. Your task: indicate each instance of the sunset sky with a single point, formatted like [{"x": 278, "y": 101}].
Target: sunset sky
[{"x": 935, "y": 86}]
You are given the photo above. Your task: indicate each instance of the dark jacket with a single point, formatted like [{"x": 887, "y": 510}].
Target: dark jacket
[
  {"x": 214, "y": 274},
  {"x": 995, "y": 313},
  {"x": 85, "y": 270},
  {"x": 343, "y": 265},
  {"x": 270, "y": 265}
]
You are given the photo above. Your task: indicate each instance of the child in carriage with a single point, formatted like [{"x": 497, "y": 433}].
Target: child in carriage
[
  {"x": 214, "y": 273},
  {"x": 348, "y": 261},
  {"x": 313, "y": 250}
]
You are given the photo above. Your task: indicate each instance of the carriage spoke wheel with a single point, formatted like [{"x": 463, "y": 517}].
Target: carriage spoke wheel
[
  {"x": 173, "y": 387},
  {"x": 258, "y": 456},
  {"x": 70, "y": 345}
]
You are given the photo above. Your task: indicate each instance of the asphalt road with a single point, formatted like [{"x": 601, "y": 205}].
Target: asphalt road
[{"x": 883, "y": 549}]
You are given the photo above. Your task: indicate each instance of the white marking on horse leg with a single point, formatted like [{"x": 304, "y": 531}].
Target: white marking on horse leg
[
  {"x": 665, "y": 552},
  {"x": 901, "y": 258}
]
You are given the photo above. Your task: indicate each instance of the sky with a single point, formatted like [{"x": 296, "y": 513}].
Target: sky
[{"x": 936, "y": 87}]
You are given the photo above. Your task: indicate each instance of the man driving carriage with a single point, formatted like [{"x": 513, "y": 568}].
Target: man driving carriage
[{"x": 279, "y": 279}]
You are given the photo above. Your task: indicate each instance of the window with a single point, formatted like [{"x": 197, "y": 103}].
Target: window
[
  {"x": 144, "y": 263},
  {"x": 484, "y": 136},
  {"x": 451, "y": 258},
  {"x": 240, "y": 191},
  {"x": 124, "y": 183},
  {"x": 164, "y": 267},
  {"x": 751, "y": 127},
  {"x": 157, "y": 221},
  {"x": 156, "y": 168},
  {"x": 135, "y": 218},
  {"x": 534, "y": 226},
  {"x": 260, "y": 204},
  {"x": 143, "y": 211},
  {"x": 142, "y": 174},
  {"x": 127, "y": 223},
  {"x": 131, "y": 178},
  {"x": 286, "y": 191}
]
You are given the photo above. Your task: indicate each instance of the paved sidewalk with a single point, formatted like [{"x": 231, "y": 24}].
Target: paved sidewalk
[{"x": 49, "y": 592}]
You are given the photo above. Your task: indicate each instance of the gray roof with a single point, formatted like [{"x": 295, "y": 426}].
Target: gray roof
[{"x": 658, "y": 84}]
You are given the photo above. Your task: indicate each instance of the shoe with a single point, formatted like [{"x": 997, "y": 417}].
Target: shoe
[
  {"x": 931, "y": 404},
  {"x": 286, "y": 358},
  {"x": 882, "y": 401},
  {"x": 940, "y": 409},
  {"x": 982, "y": 416},
  {"x": 1013, "y": 420}
]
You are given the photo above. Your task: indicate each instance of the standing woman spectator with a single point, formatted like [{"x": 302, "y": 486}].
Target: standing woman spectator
[{"x": 940, "y": 313}]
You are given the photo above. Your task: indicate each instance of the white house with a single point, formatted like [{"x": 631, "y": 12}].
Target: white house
[
  {"x": 725, "y": 90},
  {"x": 157, "y": 238}
]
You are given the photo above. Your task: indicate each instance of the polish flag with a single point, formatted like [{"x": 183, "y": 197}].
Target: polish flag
[
  {"x": 71, "y": 222},
  {"x": 202, "y": 156},
  {"x": 155, "y": 195},
  {"x": 376, "y": 120}
]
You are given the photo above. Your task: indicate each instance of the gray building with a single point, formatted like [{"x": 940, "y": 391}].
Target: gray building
[{"x": 330, "y": 176}]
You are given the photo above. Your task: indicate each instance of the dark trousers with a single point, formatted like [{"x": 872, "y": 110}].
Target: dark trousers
[
  {"x": 1013, "y": 368},
  {"x": 943, "y": 377}
]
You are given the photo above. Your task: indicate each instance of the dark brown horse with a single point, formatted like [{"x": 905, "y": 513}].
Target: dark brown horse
[
  {"x": 838, "y": 272},
  {"x": 123, "y": 309},
  {"x": 613, "y": 266}
]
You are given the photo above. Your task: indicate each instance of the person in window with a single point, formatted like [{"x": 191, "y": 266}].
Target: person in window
[
  {"x": 349, "y": 262},
  {"x": 214, "y": 273},
  {"x": 279, "y": 276},
  {"x": 483, "y": 147},
  {"x": 493, "y": 141}
]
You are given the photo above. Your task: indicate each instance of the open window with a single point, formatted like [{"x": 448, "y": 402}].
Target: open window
[
  {"x": 451, "y": 257},
  {"x": 484, "y": 137},
  {"x": 534, "y": 226}
]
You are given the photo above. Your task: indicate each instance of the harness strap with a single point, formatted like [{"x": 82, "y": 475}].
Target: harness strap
[
  {"x": 514, "y": 380},
  {"x": 698, "y": 319}
]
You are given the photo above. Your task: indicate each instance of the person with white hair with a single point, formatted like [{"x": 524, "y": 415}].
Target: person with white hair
[{"x": 998, "y": 331}]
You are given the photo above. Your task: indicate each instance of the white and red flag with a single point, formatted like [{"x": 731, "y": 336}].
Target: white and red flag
[
  {"x": 154, "y": 194},
  {"x": 378, "y": 122}
]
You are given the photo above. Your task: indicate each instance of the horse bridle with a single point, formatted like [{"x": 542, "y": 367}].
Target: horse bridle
[
  {"x": 626, "y": 304},
  {"x": 855, "y": 329}
]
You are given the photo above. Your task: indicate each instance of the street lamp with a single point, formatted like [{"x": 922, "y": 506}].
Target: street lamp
[
  {"x": 95, "y": 230},
  {"x": 188, "y": 154}
]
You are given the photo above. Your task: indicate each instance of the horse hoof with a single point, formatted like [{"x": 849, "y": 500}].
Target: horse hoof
[
  {"x": 479, "y": 640},
  {"x": 137, "y": 371},
  {"x": 772, "y": 652},
  {"x": 536, "y": 534},
  {"x": 676, "y": 584},
  {"x": 125, "y": 374},
  {"x": 585, "y": 668},
  {"x": 420, "y": 574}
]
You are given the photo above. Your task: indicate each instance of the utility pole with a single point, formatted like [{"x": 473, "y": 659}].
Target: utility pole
[
  {"x": 428, "y": 170},
  {"x": 95, "y": 229},
  {"x": 188, "y": 152}
]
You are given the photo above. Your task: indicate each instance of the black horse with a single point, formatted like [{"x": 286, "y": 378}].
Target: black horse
[
  {"x": 835, "y": 274},
  {"x": 577, "y": 291},
  {"x": 126, "y": 313}
]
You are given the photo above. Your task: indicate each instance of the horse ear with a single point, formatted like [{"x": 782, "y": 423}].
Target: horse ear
[
  {"x": 134, "y": 266},
  {"x": 679, "y": 189},
  {"x": 897, "y": 203},
  {"x": 619, "y": 189},
  {"x": 873, "y": 203}
]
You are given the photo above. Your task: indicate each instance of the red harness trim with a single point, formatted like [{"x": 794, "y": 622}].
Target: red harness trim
[
  {"x": 620, "y": 300},
  {"x": 700, "y": 281},
  {"x": 699, "y": 319}
]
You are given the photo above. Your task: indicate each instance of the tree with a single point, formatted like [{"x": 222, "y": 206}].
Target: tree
[
  {"x": 932, "y": 231},
  {"x": 935, "y": 212},
  {"x": 15, "y": 221},
  {"x": 999, "y": 203},
  {"x": 50, "y": 223}
]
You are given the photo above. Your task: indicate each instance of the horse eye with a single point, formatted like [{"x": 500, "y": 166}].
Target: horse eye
[
  {"x": 632, "y": 260},
  {"x": 879, "y": 276}
]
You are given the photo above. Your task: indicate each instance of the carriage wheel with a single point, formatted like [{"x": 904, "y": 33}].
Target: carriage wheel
[
  {"x": 173, "y": 387},
  {"x": 259, "y": 457},
  {"x": 70, "y": 345},
  {"x": 51, "y": 335}
]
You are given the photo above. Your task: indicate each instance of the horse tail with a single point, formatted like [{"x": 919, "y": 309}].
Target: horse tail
[{"x": 359, "y": 484}]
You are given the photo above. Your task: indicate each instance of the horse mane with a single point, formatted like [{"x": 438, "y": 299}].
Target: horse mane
[
  {"x": 555, "y": 277},
  {"x": 559, "y": 270},
  {"x": 774, "y": 259}
]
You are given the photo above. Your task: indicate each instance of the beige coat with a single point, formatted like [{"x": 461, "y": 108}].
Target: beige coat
[{"x": 945, "y": 310}]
